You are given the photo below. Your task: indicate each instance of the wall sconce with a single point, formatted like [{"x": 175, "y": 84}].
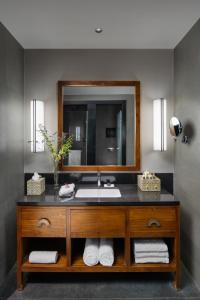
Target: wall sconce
[
  {"x": 159, "y": 124},
  {"x": 37, "y": 118}
]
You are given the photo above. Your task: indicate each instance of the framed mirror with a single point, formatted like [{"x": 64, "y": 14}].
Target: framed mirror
[{"x": 104, "y": 119}]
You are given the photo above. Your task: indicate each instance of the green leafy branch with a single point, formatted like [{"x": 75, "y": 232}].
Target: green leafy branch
[{"x": 58, "y": 150}]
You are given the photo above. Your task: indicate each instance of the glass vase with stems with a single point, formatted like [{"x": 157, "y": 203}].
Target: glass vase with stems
[{"x": 58, "y": 148}]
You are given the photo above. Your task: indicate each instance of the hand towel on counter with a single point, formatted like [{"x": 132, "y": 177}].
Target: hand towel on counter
[
  {"x": 91, "y": 252},
  {"x": 143, "y": 260},
  {"x": 66, "y": 189},
  {"x": 149, "y": 245},
  {"x": 106, "y": 252},
  {"x": 43, "y": 257}
]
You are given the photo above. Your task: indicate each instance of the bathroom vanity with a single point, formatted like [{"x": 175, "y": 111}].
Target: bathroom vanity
[{"x": 47, "y": 222}]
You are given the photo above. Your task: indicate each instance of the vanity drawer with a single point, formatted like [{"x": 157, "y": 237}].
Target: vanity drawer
[
  {"x": 43, "y": 222},
  {"x": 148, "y": 220},
  {"x": 97, "y": 222}
]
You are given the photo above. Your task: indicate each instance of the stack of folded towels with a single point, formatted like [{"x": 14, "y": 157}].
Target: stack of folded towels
[
  {"x": 67, "y": 190},
  {"x": 150, "y": 251},
  {"x": 98, "y": 251},
  {"x": 43, "y": 257}
]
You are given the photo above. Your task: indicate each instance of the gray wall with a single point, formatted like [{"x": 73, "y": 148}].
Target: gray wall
[
  {"x": 154, "y": 68},
  {"x": 11, "y": 144},
  {"x": 187, "y": 157}
]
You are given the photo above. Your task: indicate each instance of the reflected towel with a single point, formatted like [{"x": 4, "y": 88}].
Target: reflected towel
[
  {"x": 143, "y": 260},
  {"x": 43, "y": 257},
  {"x": 66, "y": 189},
  {"x": 91, "y": 252},
  {"x": 106, "y": 252},
  {"x": 149, "y": 245}
]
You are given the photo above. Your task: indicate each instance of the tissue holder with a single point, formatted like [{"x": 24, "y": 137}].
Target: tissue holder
[
  {"x": 149, "y": 184},
  {"x": 36, "y": 187}
]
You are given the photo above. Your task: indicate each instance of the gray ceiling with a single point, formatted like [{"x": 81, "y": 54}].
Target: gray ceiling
[{"x": 127, "y": 24}]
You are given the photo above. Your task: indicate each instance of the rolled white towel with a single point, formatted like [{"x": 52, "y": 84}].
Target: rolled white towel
[
  {"x": 149, "y": 245},
  {"x": 91, "y": 252},
  {"x": 164, "y": 254},
  {"x": 106, "y": 252},
  {"x": 43, "y": 257},
  {"x": 66, "y": 189},
  {"x": 143, "y": 260}
]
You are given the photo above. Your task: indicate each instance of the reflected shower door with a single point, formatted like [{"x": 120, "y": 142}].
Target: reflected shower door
[{"x": 119, "y": 138}]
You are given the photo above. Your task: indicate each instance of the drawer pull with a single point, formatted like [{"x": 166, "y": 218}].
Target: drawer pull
[
  {"x": 43, "y": 222},
  {"x": 153, "y": 222}
]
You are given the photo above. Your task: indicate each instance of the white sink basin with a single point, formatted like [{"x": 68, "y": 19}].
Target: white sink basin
[{"x": 98, "y": 193}]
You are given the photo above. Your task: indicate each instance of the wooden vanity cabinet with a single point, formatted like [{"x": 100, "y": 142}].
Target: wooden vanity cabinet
[
  {"x": 43, "y": 222},
  {"x": 98, "y": 222},
  {"x": 71, "y": 224}
]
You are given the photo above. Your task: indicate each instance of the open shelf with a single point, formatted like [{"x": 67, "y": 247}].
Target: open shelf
[
  {"x": 78, "y": 263},
  {"x": 59, "y": 266},
  {"x": 44, "y": 244},
  {"x": 155, "y": 267}
]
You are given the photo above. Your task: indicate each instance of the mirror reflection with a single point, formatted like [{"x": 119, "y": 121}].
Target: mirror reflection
[
  {"x": 175, "y": 127},
  {"x": 101, "y": 120}
]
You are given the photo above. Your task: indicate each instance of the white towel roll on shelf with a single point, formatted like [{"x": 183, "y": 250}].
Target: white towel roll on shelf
[
  {"x": 106, "y": 252},
  {"x": 91, "y": 252}
]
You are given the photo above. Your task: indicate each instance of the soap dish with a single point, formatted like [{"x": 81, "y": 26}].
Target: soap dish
[{"x": 109, "y": 185}]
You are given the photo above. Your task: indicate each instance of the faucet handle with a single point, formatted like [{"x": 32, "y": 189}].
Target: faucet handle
[{"x": 99, "y": 178}]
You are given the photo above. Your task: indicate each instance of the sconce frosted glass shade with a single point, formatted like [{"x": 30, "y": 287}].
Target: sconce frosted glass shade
[
  {"x": 37, "y": 118},
  {"x": 159, "y": 124}
]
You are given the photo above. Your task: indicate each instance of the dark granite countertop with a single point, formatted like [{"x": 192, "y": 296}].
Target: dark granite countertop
[{"x": 131, "y": 196}]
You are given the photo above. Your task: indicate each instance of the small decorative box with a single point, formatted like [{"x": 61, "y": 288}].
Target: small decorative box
[
  {"x": 148, "y": 184},
  {"x": 36, "y": 187}
]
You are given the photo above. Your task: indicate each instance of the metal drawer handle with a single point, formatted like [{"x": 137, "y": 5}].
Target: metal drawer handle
[
  {"x": 43, "y": 222},
  {"x": 153, "y": 222}
]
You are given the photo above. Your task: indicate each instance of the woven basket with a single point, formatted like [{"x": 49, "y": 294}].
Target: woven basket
[
  {"x": 36, "y": 187},
  {"x": 149, "y": 184}
]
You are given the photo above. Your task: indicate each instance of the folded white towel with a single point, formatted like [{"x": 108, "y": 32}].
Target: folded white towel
[
  {"x": 149, "y": 245},
  {"x": 66, "y": 189},
  {"x": 43, "y": 257},
  {"x": 143, "y": 260},
  {"x": 164, "y": 254},
  {"x": 106, "y": 252},
  {"x": 91, "y": 252}
]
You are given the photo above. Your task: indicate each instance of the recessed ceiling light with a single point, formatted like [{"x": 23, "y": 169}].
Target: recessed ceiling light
[{"x": 98, "y": 30}]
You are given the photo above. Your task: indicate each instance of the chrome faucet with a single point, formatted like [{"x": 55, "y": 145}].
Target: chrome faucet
[{"x": 99, "y": 179}]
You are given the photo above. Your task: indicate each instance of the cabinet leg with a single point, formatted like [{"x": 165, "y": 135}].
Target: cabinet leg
[
  {"x": 177, "y": 274},
  {"x": 20, "y": 277},
  {"x": 127, "y": 251},
  {"x": 177, "y": 280},
  {"x": 20, "y": 280}
]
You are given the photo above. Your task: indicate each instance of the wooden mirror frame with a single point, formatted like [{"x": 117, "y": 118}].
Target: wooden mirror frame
[{"x": 136, "y": 86}]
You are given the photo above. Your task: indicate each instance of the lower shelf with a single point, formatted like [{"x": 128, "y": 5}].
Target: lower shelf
[
  {"x": 79, "y": 266},
  {"x": 119, "y": 264},
  {"x": 60, "y": 266},
  {"x": 153, "y": 267}
]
